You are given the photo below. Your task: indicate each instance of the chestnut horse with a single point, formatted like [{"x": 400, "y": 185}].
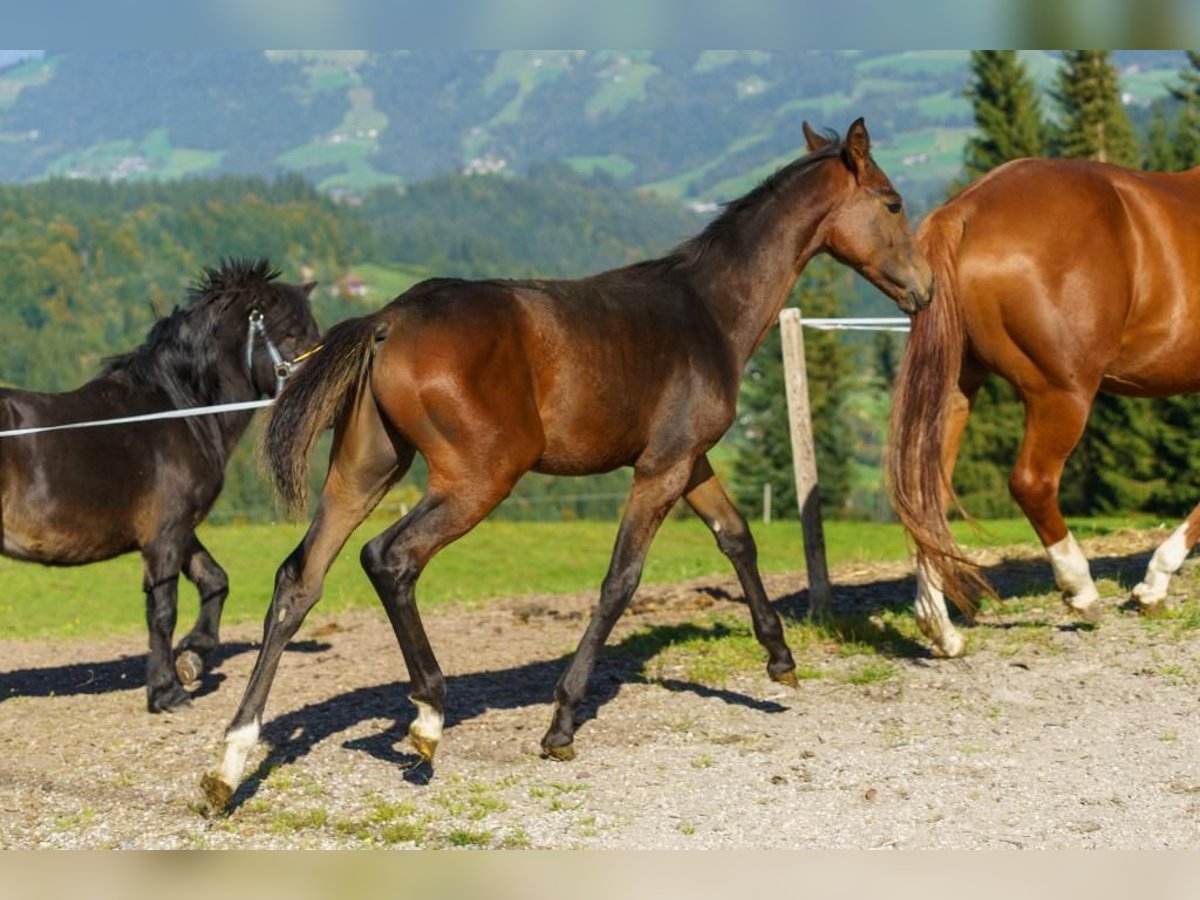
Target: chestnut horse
[
  {"x": 488, "y": 380},
  {"x": 1064, "y": 277}
]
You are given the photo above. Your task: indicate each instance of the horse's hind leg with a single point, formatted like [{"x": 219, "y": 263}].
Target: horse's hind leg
[
  {"x": 193, "y": 652},
  {"x": 654, "y": 491},
  {"x": 363, "y": 465},
  {"x": 1054, "y": 422},
  {"x": 394, "y": 561},
  {"x": 710, "y": 502},
  {"x": 1151, "y": 594},
  {"x": 930, "y": 607}
]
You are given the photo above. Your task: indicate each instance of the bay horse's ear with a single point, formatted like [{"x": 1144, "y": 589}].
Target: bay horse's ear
[
  {"x": 814, "y": 141},
  {"x": 857, "y": 148},
  {"x": 308, "y": 287}
]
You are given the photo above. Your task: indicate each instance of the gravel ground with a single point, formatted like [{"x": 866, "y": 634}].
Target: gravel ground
[{"x": 1048, "y": 735}]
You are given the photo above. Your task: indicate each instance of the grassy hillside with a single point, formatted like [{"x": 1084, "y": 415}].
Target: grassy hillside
[{"x": 696, "y": 126}]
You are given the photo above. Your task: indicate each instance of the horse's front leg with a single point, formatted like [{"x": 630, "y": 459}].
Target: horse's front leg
[
  {"x": 164, "y": 691},
  {"x": 655, "y": 489},
  {"x": 195, "y": 650}
]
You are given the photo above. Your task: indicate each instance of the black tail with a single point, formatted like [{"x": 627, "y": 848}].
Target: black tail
[{"x": 314, "y": 399}]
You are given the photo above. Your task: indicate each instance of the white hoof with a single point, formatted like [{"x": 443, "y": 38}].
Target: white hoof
[
  {"x": 1149, "y": 600},
  {"x": 949, "y": 645},
  {"x": 1086, "y": 605}
]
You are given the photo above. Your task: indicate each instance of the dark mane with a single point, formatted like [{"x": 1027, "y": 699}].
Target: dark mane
[
  {"x": 730, "y": 219},
  {"x": 182, "y": 351}
]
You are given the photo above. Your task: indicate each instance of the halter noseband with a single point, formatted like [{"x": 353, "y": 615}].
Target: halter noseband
[{"x": 283, "y": 367}]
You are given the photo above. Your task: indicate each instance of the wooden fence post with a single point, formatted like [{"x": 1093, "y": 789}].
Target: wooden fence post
[{"x": 804, "y": 462}]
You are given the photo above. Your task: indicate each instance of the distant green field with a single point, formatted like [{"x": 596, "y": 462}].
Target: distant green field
[
  {"x": 915, "y": 62},
  {"x": 613, "y": 164},
  {"x": 497, "y": 559},
  {"x": 386, "y": 282}
]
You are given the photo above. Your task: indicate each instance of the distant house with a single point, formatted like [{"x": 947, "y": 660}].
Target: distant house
[{"x": 353, "y": 286}]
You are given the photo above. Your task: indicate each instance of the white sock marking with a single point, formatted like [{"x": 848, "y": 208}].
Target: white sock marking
[
  {"x": 1163, "y": 564},
  {"x": 932, "y": 618},
  {"x": 238, "y": 744},
  {"x": 429, "y": 722},
  {"x": 1072, "y": 573}
]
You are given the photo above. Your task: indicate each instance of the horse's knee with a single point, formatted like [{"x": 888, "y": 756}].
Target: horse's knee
[
  {"x": 1032, "y": 488},
  {"x": 384, "y": 563},
  {"x": 736, "y": 542}
]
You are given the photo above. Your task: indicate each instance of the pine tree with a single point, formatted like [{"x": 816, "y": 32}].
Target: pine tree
[
  {"x": 1007, "y": 111},
  {"x": 1187, "y": 126},
  {"x": 1095, "y": 123},
  {"x": 1160, "y": 148},
  {"x": 762, "y": 438}
]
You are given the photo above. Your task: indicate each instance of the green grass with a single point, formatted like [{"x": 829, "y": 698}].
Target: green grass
[
  {"x": 497, "y": 559},
  {"x": 386, "y": 282}
]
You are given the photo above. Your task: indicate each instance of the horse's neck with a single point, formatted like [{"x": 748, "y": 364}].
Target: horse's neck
[{"x": 748, "y": 273}]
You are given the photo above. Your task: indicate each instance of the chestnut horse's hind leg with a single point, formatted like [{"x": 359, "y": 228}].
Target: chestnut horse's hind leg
[
  {"x": 363, "y": 465},
  {"x": 1054, "y": 422},
  {"x": 210, "y": 580},
  {"x": 1151, "y": 594},
  {"x": 650, "y": 500},
  {"x": 708, "y": 499},
  {"x": 930, "y": 608}
]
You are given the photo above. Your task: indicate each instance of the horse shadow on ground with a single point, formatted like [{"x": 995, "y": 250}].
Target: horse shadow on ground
[
  {"x": 122, "y": 674},
  {"x": 294, "y": 734},
  {"x": 856, "y": 605}
]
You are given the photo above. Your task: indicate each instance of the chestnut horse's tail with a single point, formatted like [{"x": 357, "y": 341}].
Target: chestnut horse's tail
[
  {"x": 327, "y": 385},
  {"x": 928, "y": 375}
]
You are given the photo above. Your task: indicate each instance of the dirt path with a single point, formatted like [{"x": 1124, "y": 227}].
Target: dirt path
[{"x": 1046, "y": 736}]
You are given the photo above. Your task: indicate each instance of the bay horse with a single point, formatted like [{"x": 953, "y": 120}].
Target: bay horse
[
  {"x": 1065, "y": 278},
  {"x": 76, "y": 496},
  {"x": 488, "y": 380}
]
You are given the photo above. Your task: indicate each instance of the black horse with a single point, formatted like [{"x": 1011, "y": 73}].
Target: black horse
[{"x": 69, "y": 497}]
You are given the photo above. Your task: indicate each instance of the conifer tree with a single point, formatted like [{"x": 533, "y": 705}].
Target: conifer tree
[
  {"x": 1095, "y": 124},
  {"x": 1187, "y": 126},
  {"x": 1007, "y": 112},
  {"x": 1160, "y": 147}
]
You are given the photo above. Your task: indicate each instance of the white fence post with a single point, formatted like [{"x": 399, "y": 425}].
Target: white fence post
[{"x": 804, "y": 462}]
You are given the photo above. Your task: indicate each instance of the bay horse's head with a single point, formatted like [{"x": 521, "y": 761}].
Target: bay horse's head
[{"x": 866, "y": 228}]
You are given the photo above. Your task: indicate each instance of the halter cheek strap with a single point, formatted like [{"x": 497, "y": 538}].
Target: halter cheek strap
[{"x": 258, "y": 328}]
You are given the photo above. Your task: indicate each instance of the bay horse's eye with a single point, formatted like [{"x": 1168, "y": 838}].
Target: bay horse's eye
[{"x": 895, "y": 207}]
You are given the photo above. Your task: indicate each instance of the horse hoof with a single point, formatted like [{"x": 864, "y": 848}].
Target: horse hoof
[
  {"x": 217, "y": 791},
  {"x": 424, "y": 746},
  {"x": 948, "y": 645},
  {"x": 787, "y": 678},
  {"x": 564, "y": 753},
  {"x": 1089, "y": 614},
  {"x": 1151, "y": 609},
  {"x": 188, "y": 666},
  {"x": 170, "y": 700}
]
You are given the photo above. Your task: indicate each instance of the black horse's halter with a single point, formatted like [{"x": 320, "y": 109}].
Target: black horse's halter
[{"x": 283, "y": 367}]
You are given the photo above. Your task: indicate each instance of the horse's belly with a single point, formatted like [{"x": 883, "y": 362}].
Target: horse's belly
[{"x": 62, "y": 543}]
